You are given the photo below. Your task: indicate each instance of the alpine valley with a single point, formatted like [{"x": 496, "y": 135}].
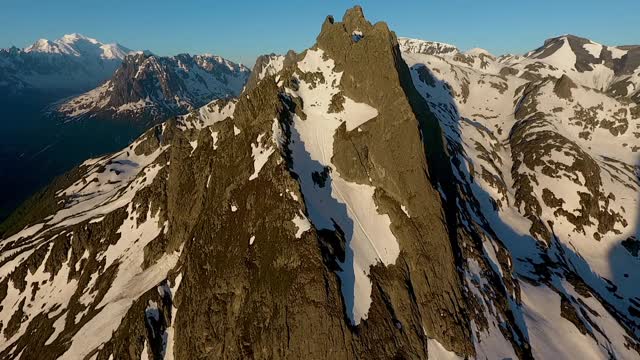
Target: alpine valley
[{"x": 371, "y": 197}]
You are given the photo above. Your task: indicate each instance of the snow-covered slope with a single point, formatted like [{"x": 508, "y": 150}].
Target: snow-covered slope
[
  {"x": 615, "y": 70},
  {"x": 72, "y": 63},
  {"x": 427, "y": 47},
  {"x": 78, "y": 45},
  {"x": 586, "y": 62},
  {"x": 550, "y": 172},
  {"x": 267, "y": 65},
  {"x": 149, "y": 87}
]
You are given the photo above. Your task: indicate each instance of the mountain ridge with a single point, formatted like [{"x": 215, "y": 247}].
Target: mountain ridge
[{"x": 149, "y": 88}]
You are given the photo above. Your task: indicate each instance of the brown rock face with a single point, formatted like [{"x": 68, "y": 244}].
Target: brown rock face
[
  {"x": 259, "y": 298},
  {"x": 563, "y": 87},
  {"x": 395, "y": 161},
  {"x": 251, "y": 285}
]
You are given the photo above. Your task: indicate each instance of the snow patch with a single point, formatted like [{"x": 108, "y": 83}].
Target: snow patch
[
  {"x": 302, "y": 225},
  {"x": 594, "y": 49},
  {"x": 617, "y": 53},
  {"x": 272, "y": 67},
  {"x": 261, "y": 153},
  {"x": 438, "y": 352},
  {"x": 478, "y": 52},
  {"x": 338, "y": 202},
  {"x": 357, "y": 35},
  {"x": 214, "y": 137},
  {"x": 404, "y": 209}
]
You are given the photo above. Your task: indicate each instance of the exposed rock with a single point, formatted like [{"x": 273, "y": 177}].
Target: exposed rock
[
  {"x": 150, "y": 88},
  {"x": 563, "y": 87}
]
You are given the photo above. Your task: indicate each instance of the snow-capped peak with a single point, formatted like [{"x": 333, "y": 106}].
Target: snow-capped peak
[
  {"x": 78, "y": 45},
  {"x": 426, "y": 47},
  {"x": 478, "y": 51},
  {"x": 74, "y": 62},
  {"x": 44, "y": 46},
  {"x": 72, "y": 38},
  {"x": 164, "y": 86}
]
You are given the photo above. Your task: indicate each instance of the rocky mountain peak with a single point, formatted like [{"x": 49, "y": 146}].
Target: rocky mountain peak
[
  {"x": 427, "y": 47},
  {"x": 567, "y": 37},
  {"x": 268, "y": 65},
  {"x": 353, "y": 19},
  {"x": 148, "y": 88},
  {"x": 292, "y": 204},
  {"x": 368, "y": 63},
  {"x": 368, "y": 57}
]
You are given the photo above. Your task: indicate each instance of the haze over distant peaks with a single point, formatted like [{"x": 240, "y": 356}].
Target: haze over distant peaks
[
  {"x": 73, "y": 63},
  {"x": 79, "y": 45}
]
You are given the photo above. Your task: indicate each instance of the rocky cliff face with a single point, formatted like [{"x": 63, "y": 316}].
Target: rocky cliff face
[
  {"x": 342, "y": 207},
  {"x": 153, "y": 88}
]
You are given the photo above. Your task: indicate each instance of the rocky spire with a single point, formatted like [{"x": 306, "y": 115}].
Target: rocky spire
[{"x": 215, "y": 208}]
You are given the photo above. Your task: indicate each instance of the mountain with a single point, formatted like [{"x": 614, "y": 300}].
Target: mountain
[
  {"x": 153, "y": 88},
  {"x": 549, "y": 171},
  {"x": 591, "y": 64},
  {"x": 611, "y": 69},
  {"x": 95, "y": 100},
  {"x": 267, "y": 65},
  {"x": 73, "y": 63},
  {"x": 355, "y": 201},
  {"x": 427, "y": 47}
]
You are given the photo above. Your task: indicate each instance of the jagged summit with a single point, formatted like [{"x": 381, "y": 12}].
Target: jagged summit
[
  {"x": 569, "y": 37},
  {"x": 479, "y": 52},
  {"x": 150, "y": 88},
  {"x": 426, "y": 47}
]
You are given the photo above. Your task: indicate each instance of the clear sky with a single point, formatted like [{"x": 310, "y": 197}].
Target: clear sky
[{"x": 241, "y": 30}]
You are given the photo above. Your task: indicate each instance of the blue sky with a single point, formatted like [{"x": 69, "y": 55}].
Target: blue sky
[{"x": 242, "y": 30}]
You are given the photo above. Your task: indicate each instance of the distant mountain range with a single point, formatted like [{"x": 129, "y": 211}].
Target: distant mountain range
[
  {"x": 149, "y": 87},
  {"x": 76, "y": 97},
  {"x": 73, "y": 63},
  {"x": 121, "y": 83},
  {"x": 612, "y": 69}
]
